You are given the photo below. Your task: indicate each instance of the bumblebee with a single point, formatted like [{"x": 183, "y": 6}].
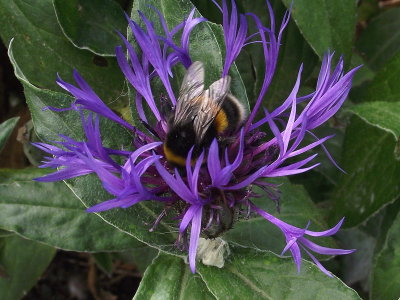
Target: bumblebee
[{"x": 201, "y": 115}]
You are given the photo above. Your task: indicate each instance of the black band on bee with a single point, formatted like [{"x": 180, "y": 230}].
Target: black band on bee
[{"x": 181, "y": 139}]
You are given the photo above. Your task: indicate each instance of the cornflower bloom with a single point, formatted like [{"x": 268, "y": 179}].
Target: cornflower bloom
[{"x": 214, "y": 184}]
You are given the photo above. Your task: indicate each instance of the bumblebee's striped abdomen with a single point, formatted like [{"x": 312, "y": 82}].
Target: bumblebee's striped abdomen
[
  {"x": 221, "y": 122},
  {"x": 230, "y": 117}
]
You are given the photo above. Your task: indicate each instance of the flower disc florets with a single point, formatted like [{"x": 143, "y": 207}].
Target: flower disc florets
[{"x": 213, "y": 185}]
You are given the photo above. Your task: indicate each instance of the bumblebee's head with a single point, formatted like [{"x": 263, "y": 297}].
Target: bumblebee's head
[{"x": 180, "y": 139}]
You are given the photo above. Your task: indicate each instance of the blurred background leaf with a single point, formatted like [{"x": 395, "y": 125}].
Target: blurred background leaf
[
  {"x": 385, "y": 275},
  {"x": 368, "y": 238},
  {"x": 384, "y": 115},
  {"x": 22, "y": 263},
  {"x": 326, "y": 24},
  {"x": 141, "y": 257},
  {"x": 373, "y": 172},
  {"x": 92, "y": 25},
  {"x": 384, "y": 86},
  {"x": 5, "y": 130},
  {"x": 42, "y": 51},
  {"x": 380, "y": 40},
  {"x": 370, "y": 153}
]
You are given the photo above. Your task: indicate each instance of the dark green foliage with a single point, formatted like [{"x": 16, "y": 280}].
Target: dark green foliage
[{"x": 51, "y": 36}]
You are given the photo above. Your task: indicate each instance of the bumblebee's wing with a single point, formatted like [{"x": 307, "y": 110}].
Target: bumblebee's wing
[
  {"x": 189, "y": 95},
  {"x": 210, "y": 105}
]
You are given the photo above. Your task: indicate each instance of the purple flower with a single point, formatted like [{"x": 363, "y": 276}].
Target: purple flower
[
  {"x": 214, "y": 181},
  {"x": 295, "y": 240}
]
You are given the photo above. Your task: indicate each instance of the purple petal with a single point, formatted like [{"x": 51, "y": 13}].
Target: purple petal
[
  {"x": 196, "y": 171},
  {"x": 278, "y": 172},
  {"x": 213, "y": 161},
  {"x": 296, "y": 254},
  {"x": 194, "y": 237},
  {"x": 320, "y": 266},
  {"x": 328, "y": 232},
  {"x": 286, "y": 136},
  {"x": 324, "y": 250},
  {"x": 177, "y": 186},
  {"x": 309, "y": 147},
  {"x": 63, "y": 174},
  {"x": 138, "y": 152},
  {"x": 106, "y": 205},
  {"x": 289, "y": 245},
  {"x": 246, "y": 181},
  {"x": 187, "y": 218},
  {"x": 88, "y": 99}
]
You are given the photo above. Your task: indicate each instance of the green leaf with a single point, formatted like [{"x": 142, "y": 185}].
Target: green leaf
[
  {"x": 389, "y": 215},
  {"x": 385, "y": 85},
  {"x": 368, "y": 239},
  {"x": 385, "y": 274},
  {"x": 327, "y": 168},
  {"x": 50, "y": 213},
  {"x": 24, "y": 262},
  {"x": 247, "y": 71},
  {"x": 49, "y": 124},
  {"x": 104, "y": 261},
  {"x": 32, "y": 153},
  {"x": 136, "y": 220},
  {"x": 378, "y": 43},
  {"x": 373, "y": 172},
  {"x": 367, "y": 9},
  {"x": 141, "y": 257},
  {"x": 209, "y": 11},
  {"x": 168, "y": 277},
  {"x": 92, "y": 25},
  {"x": 384, "y": 115},
  {"x": 381, "y": 101},
  {"x": 6, "y": 128},
  {"x": 5, "y": 233},
  {"x": 326, "y": 24},
  {"x": 363, "y": 75},
  {"x": 42, "y": 50},
  {"x": 252, "y": 274},
  {"x": 296, "y": 209},
  {"x": 356, "y": 267}
]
